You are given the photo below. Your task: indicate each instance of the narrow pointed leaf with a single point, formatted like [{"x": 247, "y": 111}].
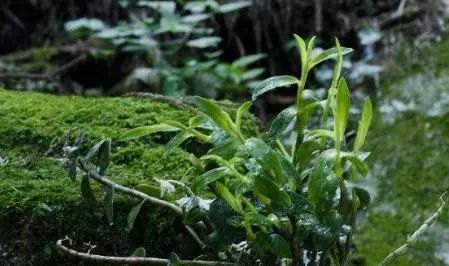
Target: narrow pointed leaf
[
  {"x": 252, "y": 73},
  {"x": 209, "y": 177},
  {"x": 219, "y": 116},
  {"x": 146, "y": 130},
  {"x": 242, "y": 110},
  {"x": 328, "y": 54},
  {"x": 104, "y": 156},
  {"x": 302, "y": 50},
  {"x": 133, "y": 215},
  {"x": 176, "y": 141},
  {"x": 342, "y": 110},
  {"x": 364, "y": 124},
  {"x": 234, "y": 6},
  {"x": 86, "y": 191},
  {"x": 273, "y": 83}
]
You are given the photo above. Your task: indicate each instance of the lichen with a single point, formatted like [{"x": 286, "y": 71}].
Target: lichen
[{"x": 38, "y": 202}]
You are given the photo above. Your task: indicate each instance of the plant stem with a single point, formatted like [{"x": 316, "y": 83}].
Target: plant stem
[{"x": 132, "y": 260}]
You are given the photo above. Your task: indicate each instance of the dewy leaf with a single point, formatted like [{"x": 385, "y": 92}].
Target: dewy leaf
[
  {"x": 220, "y": 117},
  {"x": 323, "y": 186},
  {"x": 247, "y": 60},
  {"x": 176, "y": 141},
  {"x": 273, "y": 83},
  {"x": 86, "y": 191},
  {"x": 280, "y": 246},
  {"x": 342, "y": 110},
  {"x": 234, "y": 6},
  {"x": 109, "y": 205},
  {"x": 361, "y": 166},
  {"x": 204, "y": 42},
  {"x": 280, "y": 123},
  {"x": 211, "y": 176},
  {"x": 364, "y": 124},
  {"x": 271, "y": 190},
  {"x": 146, "y": 130},
  {"x": 139, "y": 252},
  {"x": 133, "y": 215},
  {"x": 328, "y": 54},
  {"x": 227, "y": 196},
  {"x": 242, "y": 109},
  {"x": 266, "y": 157}
]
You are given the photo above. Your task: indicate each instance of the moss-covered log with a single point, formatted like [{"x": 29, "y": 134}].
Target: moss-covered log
[{"x": 38, "y": 202}]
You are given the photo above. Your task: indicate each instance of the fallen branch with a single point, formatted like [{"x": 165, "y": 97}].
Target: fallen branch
[
  {"x": 131, "y": 260},
  {"x": 414, "y": 238}
]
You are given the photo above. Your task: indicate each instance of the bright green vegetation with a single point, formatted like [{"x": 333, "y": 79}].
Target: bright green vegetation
[
  {"x": 410, "y": 146},
  {"x": 38, "y": 202}
]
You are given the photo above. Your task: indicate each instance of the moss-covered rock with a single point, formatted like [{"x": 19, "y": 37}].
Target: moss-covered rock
[{"x": 38, "y": 202}]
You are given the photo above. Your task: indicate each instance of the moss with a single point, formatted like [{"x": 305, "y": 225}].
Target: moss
[
  {"x": 39, "y": 204},
  {"x": 409, "y": 140}
]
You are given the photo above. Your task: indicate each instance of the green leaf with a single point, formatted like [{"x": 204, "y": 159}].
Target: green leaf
[
  {"x": 194, "y": 18},
  {"x": 109, "y": 205},
  {"x": 220, "y": 117},
  {"x": 328, "y": 54},
  {"x": 363, "y": 196},
  {"x": 225, "y": 149},
  {"x": 317, "y": 133},
  {"x": 209, "y": 177},
  {"x": 302, "y": 50},
  {"x": 338, "y": 66},
  {"x": 94, "y": 151},
  {"x": 280, "y": 246},
  {"x": 176, "y": 141},
  {"x": 257, "y": 219},
  {"x": 146, "y": 130},
  {"x": 86, "y": 191},
  {"x": 273, "y": 83},
  {"x": 266, "y": 157},
  {"x": 323, "y": 186},
  {"x": 139, "y": 252},
  {"x": 150, "y": 190},
  {"x": 306, "y": 151},
  {"x": 104, "y": 157},
  {"x": 133, "y": 215},
  {"x": 234, "y": 6},
  {"x": 173, "y": 260},
  {"x": 242, "y": 109},
  {"x": 204, "y": 42},
  {"x": 361, "y": 166},
  {"x": 280, "y": 123},
  {"x": 364, "y": 124},
  {"x": 342, "y": 110},
  {"x": 247, "y": 60},
  {"x": 227, "y": 196},
  {"x": 271, "y": 190},
  {"x": 194, "y": 215}
]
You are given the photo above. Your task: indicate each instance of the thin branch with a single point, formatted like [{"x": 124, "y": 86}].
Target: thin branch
[
  {"x": 125, "y": 190},
  {"x": 414, "y": 238},
  {"x": 131, "y": 260},
  {"x": 48, "y": 76},
  {"x": 137, "y": 194}
]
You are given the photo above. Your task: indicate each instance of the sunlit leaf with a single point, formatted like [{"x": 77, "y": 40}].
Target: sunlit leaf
[
  {"x": 220, "y": 117},
  {"x": 133, "y": 215},
  {"x": 302, "y": 50},
  {"x": 227, "y": 196},
  {"x": 364, "y": 124},
  {"x": 146, "y": 130},
  {"x": 273, "y": 83},
  {"x": 211, "y": 176},
  {"x": 176, "y": 141}
]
